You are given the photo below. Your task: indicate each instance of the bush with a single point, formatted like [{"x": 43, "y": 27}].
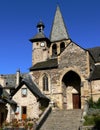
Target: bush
[
  {"x": 97, "y": 121},
  {"x": 89, "y": 120},
  {"x": 94, "y": 104},
  {"x": 92, "y": 120}
]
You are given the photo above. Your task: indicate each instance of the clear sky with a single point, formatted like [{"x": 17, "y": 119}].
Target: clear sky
[{"x": 18, "y": 20}]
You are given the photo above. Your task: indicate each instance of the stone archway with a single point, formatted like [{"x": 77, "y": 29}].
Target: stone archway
[{"x": 71, "y": 86}]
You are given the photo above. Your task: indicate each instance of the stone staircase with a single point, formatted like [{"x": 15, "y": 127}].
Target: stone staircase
[{"x": 63, "y": 120}]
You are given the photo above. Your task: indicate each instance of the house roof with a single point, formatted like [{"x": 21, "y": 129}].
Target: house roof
[
  {"x": 95, "y": 75},
  {"x": 5, "y": 98},
  {"x": 10, "y": 79},
  {"x": 31, "y": 86},
  {"x": 59, "y": 31},
  {"x": 50, "y": 63},
  {"x": 95, "y": 52}
]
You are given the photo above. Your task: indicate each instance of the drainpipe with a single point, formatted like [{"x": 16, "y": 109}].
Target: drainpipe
[{"x": 17, "y": 77}]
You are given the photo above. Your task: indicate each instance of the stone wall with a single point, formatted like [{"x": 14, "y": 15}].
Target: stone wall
[
  {"x": 29, "y": 101},
  {"x": 95, "y": 89},
  {"x": 75, "y": 57}
]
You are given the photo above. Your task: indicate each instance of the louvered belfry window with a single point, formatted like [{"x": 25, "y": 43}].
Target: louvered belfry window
[
  {"x": 62, "y": 47},
  {"x": 54, "y": 50},
  {"x": 45, "y": 83}
]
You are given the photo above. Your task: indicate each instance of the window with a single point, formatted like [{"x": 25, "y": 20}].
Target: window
[
  {"x": 24, "y": 92},
  {"x": 62, "y": 47},
  {"x": 17, "y": 110},
  {"x": 54, "y": 50},
  {"x": 45, "y": 83}
]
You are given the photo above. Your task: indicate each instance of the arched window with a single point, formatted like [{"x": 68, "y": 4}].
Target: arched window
[
  {"x": 45, "y": 83},
  {"x": 62, "y": 47},
  {"x": 54, "y": 50}
]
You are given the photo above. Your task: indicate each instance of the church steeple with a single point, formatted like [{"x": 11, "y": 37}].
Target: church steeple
[{"x": 59, "y": 31}]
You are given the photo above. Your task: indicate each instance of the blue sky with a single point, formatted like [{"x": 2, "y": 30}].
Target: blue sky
[{"x": 18, "y": 19}]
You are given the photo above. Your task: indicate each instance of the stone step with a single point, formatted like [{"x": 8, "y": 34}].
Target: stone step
[{"x": 63, "y": 120}]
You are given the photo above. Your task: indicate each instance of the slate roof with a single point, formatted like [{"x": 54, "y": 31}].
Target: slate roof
[
  {"x": 31, "y": 86},
  {"x": 95, "y": 52},
  {"x": 5, "y": 98},
  {"x": 50, "y": 63},
  {"x": 95, "y": 75},
  {"x": 38, "y": 36},
  {"x": 59, "y": 31},
  {"x": 10, "y": 79}
]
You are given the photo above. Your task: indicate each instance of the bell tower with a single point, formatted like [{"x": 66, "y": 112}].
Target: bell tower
[{"x": 40, "y": 45}]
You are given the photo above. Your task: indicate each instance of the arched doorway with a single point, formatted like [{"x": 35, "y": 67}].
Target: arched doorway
[{"x": 71, "y": 83}]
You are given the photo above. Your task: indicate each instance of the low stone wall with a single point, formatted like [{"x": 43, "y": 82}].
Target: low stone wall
[{"x": 42, "y": 119}]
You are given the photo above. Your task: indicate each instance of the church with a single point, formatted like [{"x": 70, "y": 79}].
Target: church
[
  {"x": 62, "y": 72},
  {"x": 65, "y": 72}
]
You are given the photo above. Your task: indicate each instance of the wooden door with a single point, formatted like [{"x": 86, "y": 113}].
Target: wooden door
[
  {"x": 24, "y": 112},
  {"x": 76, "y": 101}
]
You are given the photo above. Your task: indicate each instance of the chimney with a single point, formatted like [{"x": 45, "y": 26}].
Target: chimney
[{"x": 17, "y": 77}]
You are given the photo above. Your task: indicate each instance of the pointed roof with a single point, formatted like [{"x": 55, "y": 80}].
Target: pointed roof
[
  {"x": 59, "y": 31},
  {"x": 31, "y": 86},
  {"x": 40, "y": 36}
]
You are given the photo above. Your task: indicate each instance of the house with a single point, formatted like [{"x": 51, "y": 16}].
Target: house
[
  {"x": 4, "y": 102},
  {"x": 29, "y": 99}
]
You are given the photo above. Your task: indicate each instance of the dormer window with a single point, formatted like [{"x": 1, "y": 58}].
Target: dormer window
[{"x": 24, "y": 92}]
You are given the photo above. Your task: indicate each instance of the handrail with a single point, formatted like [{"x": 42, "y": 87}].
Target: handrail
[{"x": 43, "y": 117}]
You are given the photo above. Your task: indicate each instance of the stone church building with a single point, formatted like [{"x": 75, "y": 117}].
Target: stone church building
[{"x": 63, "y": 71}]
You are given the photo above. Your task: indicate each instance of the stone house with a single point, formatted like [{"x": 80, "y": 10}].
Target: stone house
[
  {"x": 28, "y": 97},
  {"x": 61, "y": 70},
  {"x": 4, "y": 102}
]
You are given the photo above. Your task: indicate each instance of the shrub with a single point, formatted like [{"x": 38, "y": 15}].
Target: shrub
[
  {"x": 89, "y": 120},
  {"x": 97, "y": 121},
  {"x": 92, "y": 120},
  {"x": 94, "y": 104}
]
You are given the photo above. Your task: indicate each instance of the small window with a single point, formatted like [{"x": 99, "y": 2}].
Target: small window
[
  {"x": 45, "y": 83},
  {"x": 54, "y": 50},
  {"x": 17, "y": 110},
  {"x": 37, "y": 43},
  {"x": 24, "y": 92},
  {"x": 62, "y": 47}
]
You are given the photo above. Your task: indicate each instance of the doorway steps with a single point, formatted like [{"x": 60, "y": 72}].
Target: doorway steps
[{"x": 63, "y": 120}]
